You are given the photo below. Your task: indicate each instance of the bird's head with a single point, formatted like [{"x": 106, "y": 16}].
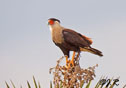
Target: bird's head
[
  {"x": 54, "y": 24},
  {"x": 53, "y": 21}
]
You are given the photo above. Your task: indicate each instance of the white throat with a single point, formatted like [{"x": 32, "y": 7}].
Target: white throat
[
  {"x": 55, "y": 26},
  {"x": 56, "y": 31}
]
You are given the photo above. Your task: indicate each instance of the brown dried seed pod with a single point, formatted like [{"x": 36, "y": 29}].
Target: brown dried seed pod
[{"x": 71, "y": 77}]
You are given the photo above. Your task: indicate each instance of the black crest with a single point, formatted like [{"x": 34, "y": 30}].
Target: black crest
[{"x": 54, "y": 19}]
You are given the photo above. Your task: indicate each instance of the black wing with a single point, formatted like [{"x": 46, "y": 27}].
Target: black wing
[{"x": 74, "y": 38}]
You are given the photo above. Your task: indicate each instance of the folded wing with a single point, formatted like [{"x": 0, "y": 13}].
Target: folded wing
[{"x": 76, "y": 39}]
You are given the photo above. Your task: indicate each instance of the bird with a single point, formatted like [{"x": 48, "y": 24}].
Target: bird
[{"x": 69, "y": 40}]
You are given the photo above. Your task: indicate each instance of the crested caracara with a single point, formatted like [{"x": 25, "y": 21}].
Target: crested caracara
[{"x": 69, "y": 40}]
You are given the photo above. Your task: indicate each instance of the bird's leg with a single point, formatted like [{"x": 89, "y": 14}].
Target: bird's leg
[
  {"x": 67, "y": 61},
  {"x": 72, "y": 61}
]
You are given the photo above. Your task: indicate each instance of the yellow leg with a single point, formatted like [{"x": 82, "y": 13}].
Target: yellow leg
[
  {"x": 67, "y": 61},
  {"x": 72, "y": 61}
]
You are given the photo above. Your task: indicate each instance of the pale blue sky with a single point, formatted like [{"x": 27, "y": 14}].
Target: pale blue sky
[{"x": 26, "y": 48}]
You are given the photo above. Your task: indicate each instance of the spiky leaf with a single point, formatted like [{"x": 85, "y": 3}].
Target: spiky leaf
[
  {"x": 88, "y": 85},
  {"x": 39, "y": 86},
  {"x": 12, "y": 84},
  {"x": 50, "y": 84},
  {"x": 7, "y": 84},
  {"x": 81, "y": 83},
  {"x": 28, "y": 84},
  {"x": 35, "y": 82}
]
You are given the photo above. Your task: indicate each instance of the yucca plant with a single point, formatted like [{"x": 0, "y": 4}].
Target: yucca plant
[
  {"x": 98, "y": 85},
  {"x": 77, "y": 77},
  {"x": 36, "y": 84},
  {"x": 73, "y": 77}
]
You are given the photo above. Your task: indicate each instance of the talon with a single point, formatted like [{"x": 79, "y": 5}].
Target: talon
[{"x": 71, "y": 64}]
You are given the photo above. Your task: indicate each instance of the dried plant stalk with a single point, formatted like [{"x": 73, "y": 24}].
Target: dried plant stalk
[{"x": 72, "y": 77}]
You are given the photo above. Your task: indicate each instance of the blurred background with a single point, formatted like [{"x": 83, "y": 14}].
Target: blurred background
[{"x": 26, "y": 47}]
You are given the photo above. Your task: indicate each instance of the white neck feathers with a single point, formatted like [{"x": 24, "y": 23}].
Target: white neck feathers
[{"x": 56, "y": 31}]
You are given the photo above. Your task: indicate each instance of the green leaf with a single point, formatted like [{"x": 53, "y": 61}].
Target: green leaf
[
  {"x": 81, "y": 83},
  {"x": 88, "y": 85},
  {"x": 7, "y": 84},
  {"x": 57, "y": 85},
  {"x": 50, "y": 84},
  {"x": 39, "y": 86},
  {"x": 28, "y": 84},
  {"x": 12, "y": 84},
  {"x": 108, "y": 83},
  {"x": 35, "y": 82},
  {"x": 98, "y": 83},
  {"x": 61, "y": 85}
]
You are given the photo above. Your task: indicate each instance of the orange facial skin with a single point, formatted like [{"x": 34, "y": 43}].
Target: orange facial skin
[{"x": 51, "y": 22}]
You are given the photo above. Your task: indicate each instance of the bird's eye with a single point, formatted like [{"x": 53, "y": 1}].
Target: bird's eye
[{"x": 51, "y": 22}]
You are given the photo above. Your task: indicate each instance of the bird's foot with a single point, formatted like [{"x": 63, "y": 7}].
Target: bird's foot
[
  {"x": 71, "y": 64},
  {"x": 67, "y": 63}
]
